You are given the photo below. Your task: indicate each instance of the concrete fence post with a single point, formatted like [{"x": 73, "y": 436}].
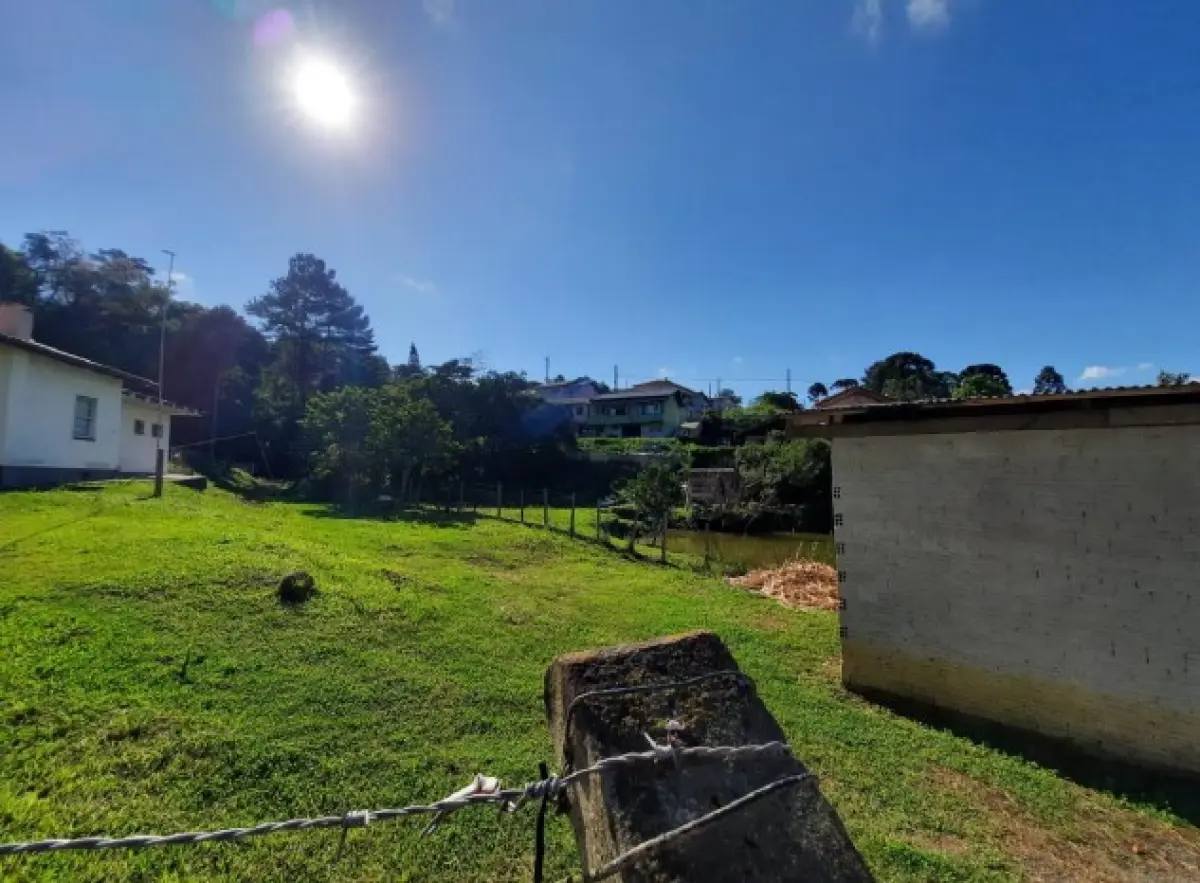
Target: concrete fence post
[
  {"x": 160, "y": 468},
  {"x": 791, "y": 834}
]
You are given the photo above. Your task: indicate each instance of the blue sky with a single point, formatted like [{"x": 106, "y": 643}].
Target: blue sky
[{"x": 702, "y": 188}]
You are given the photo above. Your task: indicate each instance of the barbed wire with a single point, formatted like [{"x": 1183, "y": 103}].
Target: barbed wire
[{"x": 484, "y": 791}]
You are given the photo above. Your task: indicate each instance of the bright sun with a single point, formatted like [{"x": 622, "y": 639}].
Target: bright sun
[{"x": 323, "y": 92}]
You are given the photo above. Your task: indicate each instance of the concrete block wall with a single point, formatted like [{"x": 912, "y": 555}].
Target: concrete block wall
[{"x": 1048, "y": 580}]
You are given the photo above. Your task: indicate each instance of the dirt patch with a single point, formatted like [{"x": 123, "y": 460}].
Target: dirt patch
[
  {"x": 396, "y": 578},
  {"x": 1106, "y": 845},
  {"x": 797, "y": 583}
]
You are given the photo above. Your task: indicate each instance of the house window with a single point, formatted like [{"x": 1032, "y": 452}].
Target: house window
[
  {"x": 619, "y": 412},
  {"x": 579, "y": 410},
  {"x": 156, "y": 430},
  {"x": 85, "y": 418},
  {"x": 139, "y": 427},
  {"x": 652, "y": 408}
]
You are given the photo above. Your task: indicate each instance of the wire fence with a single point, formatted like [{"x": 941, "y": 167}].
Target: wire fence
[
  {"x": 589, "y": 517},
  {"x": 483, "y": 791}
]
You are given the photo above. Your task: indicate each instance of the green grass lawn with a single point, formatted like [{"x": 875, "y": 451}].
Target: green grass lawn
[{"x": 150, "y": 682}]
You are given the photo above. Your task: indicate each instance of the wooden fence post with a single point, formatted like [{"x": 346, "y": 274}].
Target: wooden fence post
[
  {"x": 499, "y": 499},
  {"x": 789, "y": 834},
  {"x": 572, "y": 516},
  {"x": 522, "y": 505},
  {"x": 545, "y": 507}
]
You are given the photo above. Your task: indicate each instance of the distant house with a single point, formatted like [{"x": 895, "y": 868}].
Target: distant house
[
  {"x": 65, "y": 418},
  {"x": 853, "y": 397},
  {"x": 648, "y": 410},
  {"x": 567, "y": 401},
  {"x": 694, "y": 403}
]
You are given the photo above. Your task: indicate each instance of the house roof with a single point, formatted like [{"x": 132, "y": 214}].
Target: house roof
[
  {"x": 670, "y": 385},
  {"x": 838, "y": 399},
  {"x": 635, "y": 394},
  {"x": 557, "y": 384},
  {"x": 1109, "y": 407},
  {"x": 50, "y": 352},
  {"x": 152, "y": 401}
]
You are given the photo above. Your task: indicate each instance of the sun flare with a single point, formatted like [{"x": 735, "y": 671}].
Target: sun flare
[{"x": 324, "y": 93}]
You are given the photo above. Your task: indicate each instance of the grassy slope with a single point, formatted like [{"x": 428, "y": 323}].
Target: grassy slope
[{"x": 420, "y": 664}]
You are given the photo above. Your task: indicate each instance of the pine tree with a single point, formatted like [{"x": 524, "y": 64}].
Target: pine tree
[{"x": 320, "y": 331}]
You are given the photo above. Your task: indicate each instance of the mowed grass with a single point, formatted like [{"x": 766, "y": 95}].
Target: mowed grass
[{"x": 150, "y": 682}]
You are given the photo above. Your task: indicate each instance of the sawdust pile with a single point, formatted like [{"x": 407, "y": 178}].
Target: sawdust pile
[{"x": 797, "y": 583}]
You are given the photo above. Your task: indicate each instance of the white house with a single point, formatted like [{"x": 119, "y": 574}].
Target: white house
[{"x": 66, "y": 418}]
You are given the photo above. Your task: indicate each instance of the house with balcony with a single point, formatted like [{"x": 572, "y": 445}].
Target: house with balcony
[{"x": 649, "y": 410}]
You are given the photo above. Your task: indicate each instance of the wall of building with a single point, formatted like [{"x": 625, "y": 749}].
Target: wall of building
[
  {"x": 138, "y": 452},
  {"x": 39, "y": 431},
  {"x": 1046, "y": 580},
  {"x": 6, "y": 371}
]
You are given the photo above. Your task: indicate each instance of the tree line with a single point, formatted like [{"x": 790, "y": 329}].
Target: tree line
[{"x": 298, "y": 382}]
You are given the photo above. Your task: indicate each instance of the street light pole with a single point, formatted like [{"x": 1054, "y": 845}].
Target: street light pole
[{"x": 159, "y": 455}]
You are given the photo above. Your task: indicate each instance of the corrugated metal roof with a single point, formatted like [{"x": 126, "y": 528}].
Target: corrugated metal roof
[{"x": 1019, "y": 398}]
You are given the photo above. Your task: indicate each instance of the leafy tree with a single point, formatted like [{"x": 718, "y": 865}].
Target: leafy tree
[
  {"x": 1049, "y": 382},
  {"x": 907, "y": 376},
  {"x": 777, "y": 401},
  {"x": 817, "y": 391},
  {"x": 844, "y": 383},
  {"x": 384, "y": 437},
  {"x": 982, "y": 380},
  {"x": 414, "y": 358},
  {"x": 1166, "y": 378},
  {"x": 981, "y": 385},
  {"x": 781, "y": 472},
  {"x": 407, "y": 438},
  {"x": 335, "y": 426},
  {"x": 18, "y": 283},
  {"x": 653, "y": 494}
]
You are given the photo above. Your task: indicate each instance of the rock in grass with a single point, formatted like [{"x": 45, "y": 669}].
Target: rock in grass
[{"x": 296, "y": 588}]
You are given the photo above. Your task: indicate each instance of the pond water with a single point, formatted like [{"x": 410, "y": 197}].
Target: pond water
[{"x": 754, "y": 552}]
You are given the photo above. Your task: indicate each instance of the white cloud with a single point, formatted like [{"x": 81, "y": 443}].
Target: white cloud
[
  {"x": 440, "y": 12},
  {"x": 868, "y": 20},
  {"x": 1145, "y": 366},
  {"x": 420, "y": 286},
  {"x": 1101, "y": 372},
  {"x": 180, "y": 277},
  {"x": 928, "y": 15}
]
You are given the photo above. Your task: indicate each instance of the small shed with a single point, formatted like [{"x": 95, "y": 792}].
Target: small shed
[{"x": 1031, "y": 560}]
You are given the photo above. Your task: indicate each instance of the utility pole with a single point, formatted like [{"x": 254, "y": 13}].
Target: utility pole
[
  {"x": 547, "y": 369},
  {"x": 616, "y": 385},
  {"x": 720, "y": 398},
  {"x": 159, "y": 455},
  {"x": 789, "y": 381}
]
